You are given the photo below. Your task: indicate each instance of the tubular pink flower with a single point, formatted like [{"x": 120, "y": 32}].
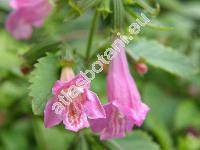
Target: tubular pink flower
[
  {"x": 26, "y": 14},
  {"x": 75, "y": 111},
  {"x": 125, "y": 108}
]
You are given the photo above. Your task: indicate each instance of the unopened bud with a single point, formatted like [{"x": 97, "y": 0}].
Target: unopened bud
[
  {"x": 67, "y": 74},
  {"x": 141, "y": 68},
  {"x": 25, "y": 70}
]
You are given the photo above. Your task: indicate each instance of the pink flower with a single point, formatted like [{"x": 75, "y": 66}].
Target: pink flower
[
  {"x": 114, "y": 125},
  {"x": 125, "y": 108},
  {"x": 73, "y": 103},
  {"x": 26, "y": 15}
]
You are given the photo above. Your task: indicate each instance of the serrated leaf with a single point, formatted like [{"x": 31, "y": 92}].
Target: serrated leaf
[
  {"x": 39, "y": 50},
  {"x": 163, "y": 57},
  {"x": 138, "y": 140},
  {"x": 42, "y": 80}
]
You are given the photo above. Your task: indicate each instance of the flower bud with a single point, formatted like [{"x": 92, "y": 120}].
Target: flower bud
[
  {"x": 25, "y": 70},
  {"x": 67, "y": 74},
  {"x": 141, "y": 68}
]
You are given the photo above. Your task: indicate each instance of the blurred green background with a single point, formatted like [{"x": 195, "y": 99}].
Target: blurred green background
[{"x": 170, "y": 46}]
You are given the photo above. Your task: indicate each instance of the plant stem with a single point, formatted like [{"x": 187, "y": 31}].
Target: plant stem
[{"x": 91, "y": 34}]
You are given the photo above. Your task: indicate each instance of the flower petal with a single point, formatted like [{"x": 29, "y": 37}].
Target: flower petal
[
  {"x": 26, "y": 14},
  {"x": 113, "y": 126},
  {"x": 92, "y": 106},
  {"x": 50, "y": 117},
  {"x": 97, "y": 125},
  {"x": 83, "y": 123},
  {"x": 137, "y": 115},
  {"x": 18, "y": 26},
  {"x": 57, "y": 86},
  {"x": 116, "y": 123}
]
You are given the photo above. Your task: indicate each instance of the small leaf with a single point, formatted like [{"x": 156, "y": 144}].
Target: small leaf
[
  {"x": 160, "y": 56},
  {"x": 42, "y": 80}
]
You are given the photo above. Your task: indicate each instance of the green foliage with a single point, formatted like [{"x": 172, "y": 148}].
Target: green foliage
[
  {"x": 169, "y": 44},
  {"x": 9, "y": 51},
  {"x": 162, "y": 57},
  {"x": 42, "y": 80},
  {"x": 19, "y": 132},
  {"x": 51, "y": 139},
  {"x": 9, "y": 93},
  {"x": 137, "y": 140},
  {"x": 160, "y": 118},
  {"x": 39, "y": 50},
  {"x": 187, "y": 115},
  {"x": 189, "y": 142}
]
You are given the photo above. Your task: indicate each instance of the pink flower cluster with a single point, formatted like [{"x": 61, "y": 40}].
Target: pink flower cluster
[
  {"x": 26, "y": 14},
  {"x": 123, "y": 110}
]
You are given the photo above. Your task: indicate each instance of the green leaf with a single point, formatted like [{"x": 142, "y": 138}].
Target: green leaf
[
  {"x": 187, "y": 115},
  {"x": 39, "y": 50},
  {"x": 51, "y": 139},
  {"x": 160, "y": 131},
  {"x": 195, "y": 79},
  {"x": 138, "y": 140},
  {"x": 16, "y": 137},
  {"x": 9, "y": 53},
  {"x": 163, "y": 57},
  {"x": 163, "y": 106},
  {"x": 42, "y": 80},
  {"x": 78, "y": 8},
  {"x": 161, "y": 116},
  {"x": 191, "y": 9},
  {"x": 189, "y": 142},
  {"x": 10, "y": 92}
]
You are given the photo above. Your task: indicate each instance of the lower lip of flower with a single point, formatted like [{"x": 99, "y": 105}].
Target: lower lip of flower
[{"x": 74, "y": 115}]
